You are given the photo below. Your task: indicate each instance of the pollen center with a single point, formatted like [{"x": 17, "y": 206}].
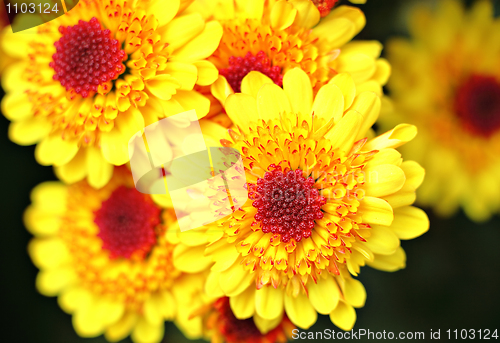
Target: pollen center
[
  {"x": 239, "y": 67},
  {"x": 127, "y": 221},
  {"x": 477, "y": 104},
  {"x": 86, "y": 57},
  {"x": 287, "y": 203}
]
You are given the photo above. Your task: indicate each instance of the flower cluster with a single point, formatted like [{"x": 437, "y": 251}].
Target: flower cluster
[{"x": 282, "y": 83}]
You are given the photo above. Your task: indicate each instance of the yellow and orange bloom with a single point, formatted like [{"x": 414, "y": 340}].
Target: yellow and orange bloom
[
  {"x": 447, "y": 82},
  {"x": 325, "y": 198},
  {"x": 87, "y": 81},
  {"x": 105, "y": 255},
  {"x": 273, "y": 37}
]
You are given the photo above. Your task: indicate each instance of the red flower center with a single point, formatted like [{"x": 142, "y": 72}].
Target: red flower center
[
  {"x": 477, "y": 104},
  {"x": 239, "y": 67},
  {"x": 324, "y": 6},
  {"x": 240, "y": 331},
  {"x": 86, "y": 57},
  {"x": 127, "y": 221},
  {"x": 287, "y": 203}
]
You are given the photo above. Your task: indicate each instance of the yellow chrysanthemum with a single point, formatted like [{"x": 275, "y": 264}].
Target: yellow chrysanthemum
[
  {"x": 105, "y": 255},
  {"x": 275, "y": 36},
  {"x": 323, "y": 201},
  {"x": 82, "y": 98},
  {"x": 447, "y": 82}
]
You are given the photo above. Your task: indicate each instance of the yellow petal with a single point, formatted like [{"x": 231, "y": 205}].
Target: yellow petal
[
  {"x": 99, "y": 170},
  {"x": 269, "y": 302},
  {"x": 122, "y": 328},
  {"x": 401, "y": 134},
  {"x": 48, "y": 252},
  {"x": 329, "y": 103},
  {"x": 145, "y": 332},
  {"x": 375, "y": 211},
  {"x": 221, "y": 89},
  {"x": 266, "y": 325},
  {"x": 409, "y": 222},
  {"x": 371, "y": 48},
  {"x": 337, "y": 31},
  {"x": 50, "y": 282},
  {"x": 252, "y": 83},
  {"x": 30, "y": 131},
  {"x": 164, "y": 10},
  {"x": 368, "y": 104},
  {"x": 344, "y": 132},
  {"x": 389, "y": 263},
  {"x": 382, "y": 72},
  {"x": 243, "y": 304},
  {"x": 235, "y": 279},
  {"x": 207, "y": 73},
  {"x": 385, "y": 156},
  {"x": 282, "y": 15},
  {"x": 241, "y": 108},
  {"x": 297, "y": 87},
  {"x": 185, "y": 73},
  {"x": 16, "y": 106},
  {"x": 251, "y": 9},
  {"x": 192, "y": 100},
  {"x": 382, "y": 240},
  {"x": 344, "y": 316},
  {"x": 382, "y": 180},
  {"x": 272, "y": 102},
  {"x": 307, "y": 13},
  {"x": 202, "y": 45},
  {"x": 360, "y": 66},
  {"x": 55, "y": 150},
  {"x": 346, "y": 85},
  {"x": 114, "y": 147},
  {"x": 182, "y": 29},
  {"x": 401, "y": 198},
  {"x": 414, "y": 175},
  {"x": 300, "y": 311},
  {"x": 324, "y": 295},
  {"x": 191, "y": 259},
  {"x": 354, "y": 292},
  {"x": 73, "y": 298},
  {"x": 163, "y": 86},
  {"x": 355, "y": 15},
  {"x": 73, "y": 171}
]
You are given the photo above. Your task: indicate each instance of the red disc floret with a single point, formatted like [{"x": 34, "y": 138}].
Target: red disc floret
[
  {"x": 287, "y": 203},
  {"x": 86, "y": 57},
  {"x": 239, "y": 67},
  {"x": 477, "y": 104},
  {"x": 324, "y": 6},
  {"x": 126, "y": 222}
]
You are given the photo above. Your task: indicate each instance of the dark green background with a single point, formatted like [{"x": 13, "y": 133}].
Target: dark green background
[{"x": 451, "y": 281}]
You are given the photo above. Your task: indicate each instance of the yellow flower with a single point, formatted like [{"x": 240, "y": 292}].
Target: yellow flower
[
  {"x": 105, "y": 255},
  {"x": 276, "y": 36},
  {"x": 447, "y": 82},
  {"x": 323, "y": 201},
  {"x": 82, "y": 98}
]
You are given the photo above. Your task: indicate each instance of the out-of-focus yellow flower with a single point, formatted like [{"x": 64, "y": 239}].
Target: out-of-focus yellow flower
[
  {"x": 81, "y": 99},
  {"x": 105, "y": 255},
  {"x": 447, "y": 82},
  {"x": 273, "y": 37},
  {"x": 323, "y": 201}
]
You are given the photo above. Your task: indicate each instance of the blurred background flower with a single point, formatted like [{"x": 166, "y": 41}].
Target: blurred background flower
[
  {"x": 445, "y": 285},
  {"x": 446, "y": 80}
]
